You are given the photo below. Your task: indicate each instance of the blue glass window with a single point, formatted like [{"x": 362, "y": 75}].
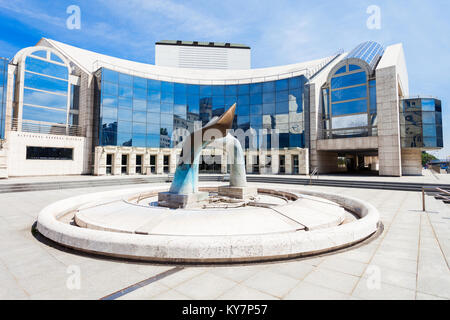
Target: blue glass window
[
  {"x": 124, "y": 139},
  {"x": 295, "y": 82},
  {"x": 357, "y": 106},
  {"x": 348, "y": 80},
  {"x": 193, "y": 89},
  {"x": 166, "y": 108},
  {"x": 231, "y": 90},
  {"x": 428, "y": 105},
  {"x": 230, "y": 100},
  {"x": 342, "y": 69},
  {"x": 125, "y": 103},
  {"x": 269, "y": 108},
  {"x": 153, "y": 141},
  {"x": 124, "y": 126},
  {"x": 138, "y": 140},
  {"x": 282, "y": 84},
  {"x": 45, "y": 83},
  {"x": 140, "y": 105},
  {"x": 44, "y": 114},
  {"x": 125, "y": 114},
  {"x": 44, "y": 99},
  {"x": 268, "y": 97},
  {"x": 256, "y": 98},
  {"x": 125, "y": 80},
  {"x": 282, "y": 107},
  {"x": 243, "y": 89},
  {"x": 256, "y": 109},
  {"x": 349, "y": 94},
  {"x": 153, "y": 129},
  {"x": 355, "y": 120},
  {"x": 242, "y": 110},
  {"x": 139, "y": 93},
  {"x": 153, "y": 118},
  {"x": 40, "y": 53},
  {"x": 255, "y": 88},
  {"x": 243, "y": 99},
  {"x": 139, "y": 127},
  {"x": 109, "y": 113},
  {"x": 110, "y": 76},
  {"x": 179, "y": 110},
  {"x": 139, "y": 116},
  {"x": 218, "y": 90},
  {"x": 154, "y": 96},
  {"x": 179, "y": 98},
  {"x": 205, "y": 91},
  {"x": 47, "y": 68},
  {"x": 218, "y": 101},
  {"x": 110, "y": 88},
  {"x": 282, "y": 96},
  {"x": 153, "y": 85},
  {"x": 167, "y": 96},
  {"x": 353, "y": 67},
  {"x": 125, "y": 91},
  {"x": 193, "y": 104},
  {"x": 269, "y": 86}
]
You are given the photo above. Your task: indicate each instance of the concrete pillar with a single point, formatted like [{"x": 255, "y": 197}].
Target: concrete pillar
[
  {"x": 412, "y": 162},
  {"x": 389, "y": 152},
  {"x": 159, "y": 163},
  {"x": 275, "y": 165},
  {"x": 117, "y": 162},
  {"x": 288, "y": 163},
  {"x": 100, "y": 162},
  {"x": 131, "y": 163}
]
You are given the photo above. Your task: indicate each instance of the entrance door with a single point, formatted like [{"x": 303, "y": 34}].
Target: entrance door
[{"x": 124, "y": 164}]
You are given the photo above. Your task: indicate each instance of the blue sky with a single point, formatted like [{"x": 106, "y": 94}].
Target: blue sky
[{"x": 279, "y": 32}]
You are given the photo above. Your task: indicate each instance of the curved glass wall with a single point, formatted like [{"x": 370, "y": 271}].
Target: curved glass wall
[
  {"x": 143, "y": 112},
  {"x": 3, "y": 88},
  {"x": 349, "y": 104},
  {"x": 421, "y": 123},
  {"x": 45, "y": 89},
  {"x": 369, "y": 51}
]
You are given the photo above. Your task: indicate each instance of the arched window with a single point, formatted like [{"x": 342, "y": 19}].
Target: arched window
[{"x": 45, "y": 89}]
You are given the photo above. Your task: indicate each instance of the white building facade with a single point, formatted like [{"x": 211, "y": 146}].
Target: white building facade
[{"x": 70, "y": 111}]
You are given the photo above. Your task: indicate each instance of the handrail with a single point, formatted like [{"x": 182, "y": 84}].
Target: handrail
[
  {"x": 438, "y": 195},
  {"x": 315, "y": 172},
  {"x": 47, "y": 128}
]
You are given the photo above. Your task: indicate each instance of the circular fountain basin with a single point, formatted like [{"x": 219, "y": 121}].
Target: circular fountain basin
[{"x": 275, "y": 224}]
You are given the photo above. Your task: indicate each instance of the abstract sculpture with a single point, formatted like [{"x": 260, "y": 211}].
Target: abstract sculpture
[{"x": 184, "y": 188}]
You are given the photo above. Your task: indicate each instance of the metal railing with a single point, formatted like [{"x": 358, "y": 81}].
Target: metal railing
[
  {"x": 315, "y": 172},
  {"x": 47, "y": 128},
  {"x": 439, "y": 196}
]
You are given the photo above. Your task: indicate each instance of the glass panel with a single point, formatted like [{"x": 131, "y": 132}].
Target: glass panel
[
  {"x": 282, "y": 107},
  {"x": 125, "y": 114},
  {"x": 153, "y": 141},
  {"x": 140, "y": 105},
  {"x": 268, "y": 97},
  {"x": 44, "y": 99},
  {"x": 295, "y": 82},
  {"x": 348, "y": 94},
  {"x": 45, "y": 67},
  {"x": 124, "y": 126},
  {"x": 349, "y": 107},
  {"x": 110, "y": 113},
  {"x": 126, "y": 92},
  {"x": 140, "y": 83},
  {"x": 153, "y": 128},
  {"x": 193, "y": 104},
  {"x": 342, "y": 69},
  {"x": 357, "y": 120},
  {"x": 124, "y": 139},
  {"x": 54, "y": 57},
  {"x": 44, "y": 114},
  {"x": 282, "y": 96},
  {"x": 352, "y": 67},
  {"x": 138, "y": 140},
  {"x": 429, "y": 130},
  {"x": 255, "y": 88},
  {"x": 428, "y": 117},
  {"x": 256, "y": 109},
  {"x": 243, "y": 89},
  {"x": 109, "y": 75},
  {"x": 153, "y": 118},
  {"x": 138, "y": 128},
  {"x": 166, "y": 108},
  {"x": 153, "y": 85},
  {"x": 125, "y": 103},
  {"x": 139, "y": 93},
  {"x": 269, "y": 86},
  {"x": 125, "y": 80},
  {"x": 218, "y": 101},
  {"x": 45, "y": 83},
  {"x": 428, "y": 105},
  {"x": 242, "y": 110},
  {"x": 110, "y": 88},
  {"x": 282, "y": 84},
  {"x": 40, "y": 53},
  {"x": 167, "y": 96},
  {"x": 348, "y": 80},
  {"x": 179, "y": 98},
  {"x": 269, "y": 108},
  {"x": 245, "y": 99},
  {"x": 231, "y": 90},
  {"x": 139, "y": 116},
  {"x": 154, "y": 96}
]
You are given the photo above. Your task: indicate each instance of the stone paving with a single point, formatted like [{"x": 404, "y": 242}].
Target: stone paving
[{"x": 409, "y": 260}]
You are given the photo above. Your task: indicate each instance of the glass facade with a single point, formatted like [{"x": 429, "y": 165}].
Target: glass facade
[
  {"x": 143, "y": 112},
  {"x": 46, "y": 87},
  {"x": 3, "y": 88},
  {"x": 349, "y": 105},
  {"x": 421, "y": 123}
]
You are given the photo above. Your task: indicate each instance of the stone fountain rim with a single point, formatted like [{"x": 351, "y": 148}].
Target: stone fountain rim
[{"x": 205, "y": 249}]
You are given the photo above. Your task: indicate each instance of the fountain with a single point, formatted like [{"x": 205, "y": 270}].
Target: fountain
[{"x": 209, "y": 223}]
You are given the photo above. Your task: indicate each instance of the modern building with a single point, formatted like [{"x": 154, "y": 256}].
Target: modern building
[
  {"x": 74, "y": 111},
  {"x": 202, "y": 55}
]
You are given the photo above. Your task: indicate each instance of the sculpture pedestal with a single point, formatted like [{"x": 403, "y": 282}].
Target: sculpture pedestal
[
  {"x": 175, "y": 201},
  {"x": 238, "y": 192}
]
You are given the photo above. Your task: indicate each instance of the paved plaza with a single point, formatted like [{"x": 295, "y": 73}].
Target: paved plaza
[{"x": 408, "y": 260}]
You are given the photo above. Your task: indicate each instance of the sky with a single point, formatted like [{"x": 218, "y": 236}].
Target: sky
[{"x": 279, "y": 32}]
